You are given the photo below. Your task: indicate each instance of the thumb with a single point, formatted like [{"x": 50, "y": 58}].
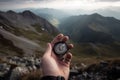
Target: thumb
[{"x": 49, "y": 49}]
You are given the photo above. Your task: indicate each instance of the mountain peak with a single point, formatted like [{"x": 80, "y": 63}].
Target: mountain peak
[
  {"x": 11, "y": 12},
  {"x": 29, "y": 14},
  {"x": 27, "y": 11},
  {"x": 96, "y": 15}
]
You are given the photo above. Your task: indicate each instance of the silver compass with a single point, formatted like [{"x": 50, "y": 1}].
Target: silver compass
[{"x": 60, "y": 48}]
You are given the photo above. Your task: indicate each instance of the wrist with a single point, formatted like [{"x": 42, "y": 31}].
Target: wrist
[{"x": 52, "y": 78}]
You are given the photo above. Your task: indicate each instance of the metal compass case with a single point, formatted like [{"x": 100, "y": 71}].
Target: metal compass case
[{"x": 60, "y": 48}]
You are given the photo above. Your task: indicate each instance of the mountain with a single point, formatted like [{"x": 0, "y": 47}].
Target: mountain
[
  {"x": 57, "y": 13},
  {"x": 54, "y": 16},
  {"x": 50, "y": 18},
  {"x": 110, "y": 11},
  {"x": 24, "y": 33},
  {"x": 92, "y": 28},
  {"x": 96, "y": 34}
]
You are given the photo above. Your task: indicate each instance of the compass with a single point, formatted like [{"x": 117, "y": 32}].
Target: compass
[{"x": 60, "y": 48}]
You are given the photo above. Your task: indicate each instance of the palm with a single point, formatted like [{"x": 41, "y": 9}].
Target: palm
[
  {"x": 55, "y": 67},
  {"x": 52, "y": 65}
]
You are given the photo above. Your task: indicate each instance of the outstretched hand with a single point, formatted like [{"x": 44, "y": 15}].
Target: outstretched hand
[{"x": 51, "y": 64}]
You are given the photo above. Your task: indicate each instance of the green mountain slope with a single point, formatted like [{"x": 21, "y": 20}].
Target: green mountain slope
[
  {"x": 94, "y": 34},
  {"x": 24, "y": 33}
]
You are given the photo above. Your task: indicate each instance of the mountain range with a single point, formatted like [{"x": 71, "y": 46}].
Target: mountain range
[
  {"x": 27, "y": 33},
  {"x": 24, "y": 33},
  {"x": 54, "y": 16},
  {"x": 92, "y": 28},
  {"x": 95, "y": 34}
]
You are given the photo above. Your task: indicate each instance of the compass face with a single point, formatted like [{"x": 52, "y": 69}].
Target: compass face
[{"x": 60, "y": 48}]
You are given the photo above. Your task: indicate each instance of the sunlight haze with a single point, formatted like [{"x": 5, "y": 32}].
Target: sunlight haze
[{"x": 59, "y": 4}]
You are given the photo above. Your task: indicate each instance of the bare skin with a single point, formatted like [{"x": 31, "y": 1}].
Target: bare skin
[{"x": 51, "y": 64}]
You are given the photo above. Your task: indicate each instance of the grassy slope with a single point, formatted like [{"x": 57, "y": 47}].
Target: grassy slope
[
  {"x": 106, "y": 50},
  {"x": 41, "y": 37},
  {"x": 83, "y": 52}
]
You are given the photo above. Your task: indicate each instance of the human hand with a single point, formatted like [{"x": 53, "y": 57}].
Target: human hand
[{"x": 51, "y": 64}]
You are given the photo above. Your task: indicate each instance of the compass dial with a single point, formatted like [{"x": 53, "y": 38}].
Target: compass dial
[{"x": 60, "y": 48}]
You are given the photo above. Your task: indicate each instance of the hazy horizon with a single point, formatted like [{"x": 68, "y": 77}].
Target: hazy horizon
[
  {"x": 60, "y": 4},
  {"x": 103, "y": 7}
]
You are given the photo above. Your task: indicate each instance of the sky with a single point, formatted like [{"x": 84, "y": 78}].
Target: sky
[{"x": 60, "y": 4}]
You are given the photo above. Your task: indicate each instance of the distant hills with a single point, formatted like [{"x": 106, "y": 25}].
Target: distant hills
[
  {"x": 54, "y": 16},
  {"x": 50, "y": 18},
  {"x": 96, "y": 35},
  {"x": 24, "y": 33},
  {"x": 92, "y": 28},
  {"x": 59, "y": 14}
]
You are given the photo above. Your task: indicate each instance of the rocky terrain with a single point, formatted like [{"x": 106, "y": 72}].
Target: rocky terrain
[
  {"x": 13, "y": 68},
  {"x": 23, "y": 38},
  {"x": 105, "y": 70}
]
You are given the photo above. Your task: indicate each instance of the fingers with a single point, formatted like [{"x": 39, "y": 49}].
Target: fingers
[
  {"x": 57, "y": 39},
  {"x": 65, "y": 38},
  {"x": 68, "y": 58},
  {"x": 70, "y": 46}
]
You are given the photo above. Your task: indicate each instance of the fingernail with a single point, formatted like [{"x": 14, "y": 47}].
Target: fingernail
[{"x": 68, "y": 56}]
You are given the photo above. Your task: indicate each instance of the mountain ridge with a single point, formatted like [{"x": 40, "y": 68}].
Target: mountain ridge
[
  {"x": 24, "y": 31},
  {"x": 92, "y": 23},
  {"x": 93, "y": 35}
]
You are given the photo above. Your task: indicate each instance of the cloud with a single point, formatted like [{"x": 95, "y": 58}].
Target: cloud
[
  {"x": 59, "y": 4},
  {"x": 14, "y": 4},
  {"x": 20, "y": 2},
  {"x": 108, "y": 0},
  {"x": 24, "y": 0},
  {"x": 9, "y": 0}
]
